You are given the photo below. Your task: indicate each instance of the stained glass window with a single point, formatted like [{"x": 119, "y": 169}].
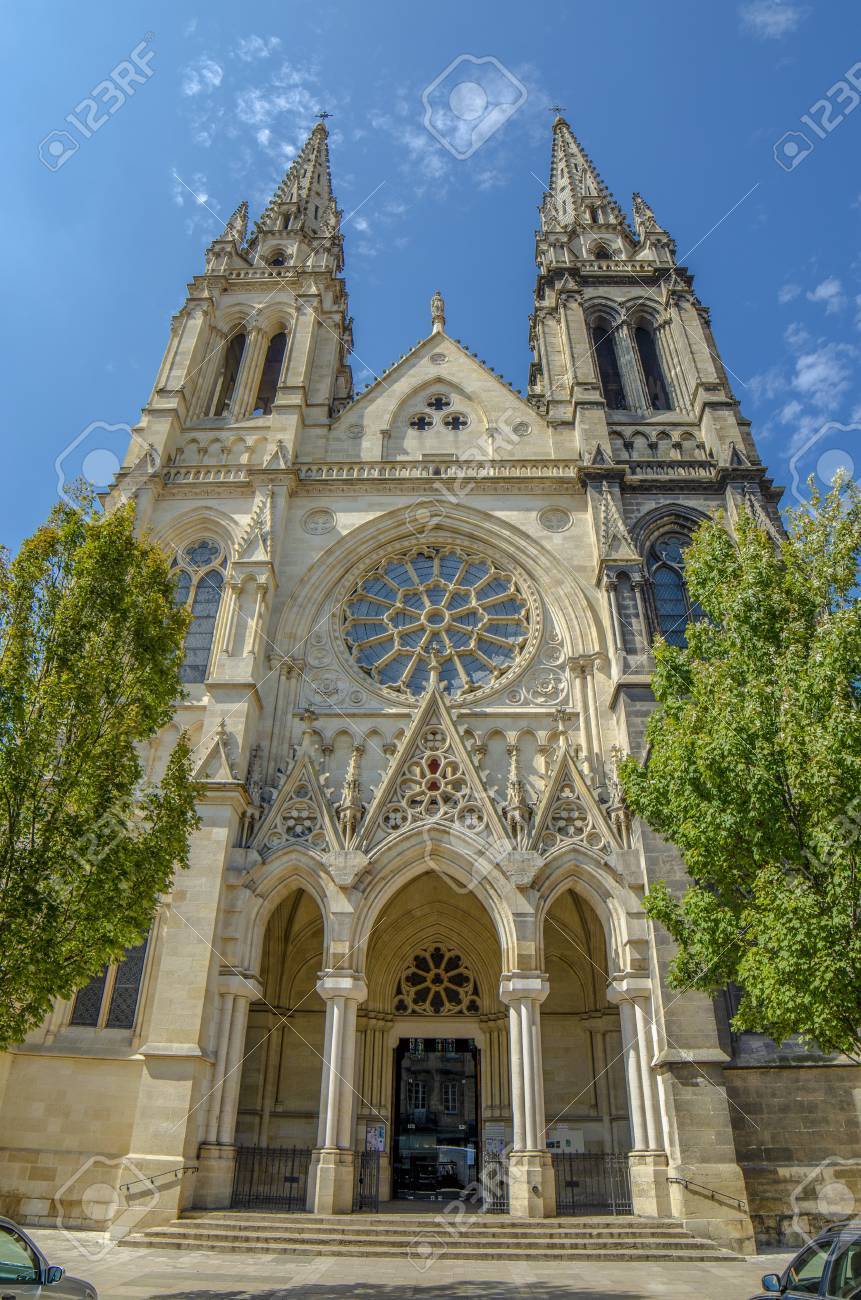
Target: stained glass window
[
  {"x": 673, "y": 606},
  {"x": 110, "y": 999},
  {"x": 198, "y": 580},
  {"x": 442, "y": 603},
  {"x": 437, "y": 982}
]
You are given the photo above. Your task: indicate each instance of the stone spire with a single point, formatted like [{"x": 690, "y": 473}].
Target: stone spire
[
  {"x": 516, "y": 810},
  {"x": 648, "y": 228},
  {"x": 350, "y": 808},
  {"x": 224, "y": 247},
  {"x": 304, "y": 201},
  {"x": 237, "y": 224},
  {"x": 576, "y": 190}
]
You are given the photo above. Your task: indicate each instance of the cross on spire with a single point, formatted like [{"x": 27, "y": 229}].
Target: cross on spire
[{"x": 321, "y": 117}]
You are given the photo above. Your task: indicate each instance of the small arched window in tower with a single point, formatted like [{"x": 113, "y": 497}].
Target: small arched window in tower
[
  {"x": 278, "y": 260},
  {"x": 270, "y": 374},
  {"x": 673, "y": 606},
  {"x": 227, "y": 386},
  {"x": 652, "y": 372},
  {"x": 602, "y": 254},
  {"x": 604, "y": 348},
  {"x": 198, "y": 581}
]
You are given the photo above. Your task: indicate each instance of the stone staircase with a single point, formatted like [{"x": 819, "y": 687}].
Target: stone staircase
[{"x": 422, "y": 1238}]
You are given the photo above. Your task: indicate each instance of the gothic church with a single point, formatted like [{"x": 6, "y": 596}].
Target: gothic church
[{"x": 411, "y": 941}]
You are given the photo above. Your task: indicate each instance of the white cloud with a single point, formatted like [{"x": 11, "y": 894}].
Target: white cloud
[
  {"x": 191, "y": 190},
  {"x": 249, "y": 48},
  {"x": 796, "y": 335},
  {"x": 360, "y": 223},
  {"x": 769, "y": 20},
  {"x": 201, "y": 77},
  {"x": 829, "y": 292},
  {"x": 790, "y": 411},
  {"x": 787, "y": 292},
  {"x": 822, "y": 376},
  {"x": 767, "y": 385}
]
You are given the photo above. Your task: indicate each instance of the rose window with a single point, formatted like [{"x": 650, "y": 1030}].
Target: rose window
[
  {"x": 437, "y": 982},
  {"x": 436, "y": 603}
]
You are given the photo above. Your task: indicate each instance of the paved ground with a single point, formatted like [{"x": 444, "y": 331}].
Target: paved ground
[{"x": 206, "y": 1275}]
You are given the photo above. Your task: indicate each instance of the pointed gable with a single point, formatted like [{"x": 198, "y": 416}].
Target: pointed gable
[
  {"x": 432, "y": 778},
  {"x": 500, "y": 423},
  {"x": 569, "y": 813},
  {"x": 616, "y": 541},
  {"x": 220, "y": 759},
  {"x": 300, "y": 815}
]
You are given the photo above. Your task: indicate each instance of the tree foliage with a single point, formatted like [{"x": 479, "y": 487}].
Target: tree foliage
[
  {"x": 90, "y": 648},
  {"x": 754, "y": 772}
]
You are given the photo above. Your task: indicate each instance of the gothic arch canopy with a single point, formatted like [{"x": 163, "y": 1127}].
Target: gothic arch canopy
[{"x": 580, "y": 624}]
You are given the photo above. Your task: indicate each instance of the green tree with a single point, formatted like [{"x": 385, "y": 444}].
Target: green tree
[
  {"x": 753, "y": 770},
  {"x": 90, "y": 648}
]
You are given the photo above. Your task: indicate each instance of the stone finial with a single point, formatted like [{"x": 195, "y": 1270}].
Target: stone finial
[
  {"x": 516, "y": 810},
  {"x": 350, "y": 808},
  {"x": 434, "y": 669},
  {"x": 438, "y": 312}
]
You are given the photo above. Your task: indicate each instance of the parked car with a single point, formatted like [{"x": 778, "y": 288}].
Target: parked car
[
  {"x": 829, "y": 1267},
  {"x": 24, "y": 1270}
]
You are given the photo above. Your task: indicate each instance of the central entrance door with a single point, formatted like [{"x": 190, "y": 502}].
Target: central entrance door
[{"x": 436, "y": 1110}]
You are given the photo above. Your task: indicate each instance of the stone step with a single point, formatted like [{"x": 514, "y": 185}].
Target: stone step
[
  {"x": 432, "y": 1248},
  {"x": 480, "y": 1232},
  {"x": 502, "y": 1222}
]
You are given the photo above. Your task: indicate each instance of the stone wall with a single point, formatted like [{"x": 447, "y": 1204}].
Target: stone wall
[{"x": 798, "y": 1139}]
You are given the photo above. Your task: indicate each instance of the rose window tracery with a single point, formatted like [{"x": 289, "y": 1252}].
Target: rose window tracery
[
  {"x": 437, "y": 982},
  {"x": 440, "y": 602}
]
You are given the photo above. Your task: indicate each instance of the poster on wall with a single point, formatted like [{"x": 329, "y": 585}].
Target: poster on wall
[
  {"x": 375, "y": 1137},
  {"x": 562, "y": 1137}
]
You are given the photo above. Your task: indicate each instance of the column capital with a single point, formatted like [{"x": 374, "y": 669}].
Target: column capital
[
  {"x": 241, "y": 986},
  {"x": 628, "y": 988},
  {"x": 342, "y": 984},
  {"x": 517, "y": 985}
]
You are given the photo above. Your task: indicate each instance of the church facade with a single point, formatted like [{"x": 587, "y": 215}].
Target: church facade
[{"x": 412, "y": 931}]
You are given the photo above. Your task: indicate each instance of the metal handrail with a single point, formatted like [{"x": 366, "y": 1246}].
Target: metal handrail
[
  {"x": 165, "y": 1173},
  {"x": 708, "y": 1191}
]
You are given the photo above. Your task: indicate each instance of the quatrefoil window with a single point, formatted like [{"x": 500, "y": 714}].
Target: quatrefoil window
[
  {"x": 456, "y": 421},
  {"x": 438, "y": 402},
  {"x": 437, "y": 982},
  {"x": 438, "y": 602},
  {"x": 421, "y": 422}
]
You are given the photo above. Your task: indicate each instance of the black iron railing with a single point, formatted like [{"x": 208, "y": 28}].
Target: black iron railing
[
  {"x": 271, "y": 1178},
  {"x": 494, "y": 1182},
  {"x": 366, "y": 1184},
  {"x": 589, "y": 1183}
]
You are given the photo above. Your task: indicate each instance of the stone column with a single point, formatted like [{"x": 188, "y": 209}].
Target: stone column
[
  {"x": 331, "y": 1184},
  {"x": 248, "y": 379},
  {"x": 217, "y": 1154},
  {"x": 648, "y": 1157},
  {"x": 531, "y": 1187},
  {"x": 207, "y": 375},
  {"x": 638, "y": 581},
  {"x": 629, "y": 367}
]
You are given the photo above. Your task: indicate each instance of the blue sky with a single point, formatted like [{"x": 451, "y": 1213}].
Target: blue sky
[{"x": 684, "y": 102}]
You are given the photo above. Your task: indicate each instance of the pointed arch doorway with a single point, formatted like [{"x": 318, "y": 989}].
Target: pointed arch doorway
[
  {"x": 434, "y": 1064},
  {"x": 436, "y": 1118}
]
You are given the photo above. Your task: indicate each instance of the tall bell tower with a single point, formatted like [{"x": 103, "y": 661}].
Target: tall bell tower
[
  {"x": 223, "y": 366},
  {"x": 628, "y": 375}
]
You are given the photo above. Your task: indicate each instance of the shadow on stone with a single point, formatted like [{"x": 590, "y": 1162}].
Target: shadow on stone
[{"x": 419, "y": 1287}]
